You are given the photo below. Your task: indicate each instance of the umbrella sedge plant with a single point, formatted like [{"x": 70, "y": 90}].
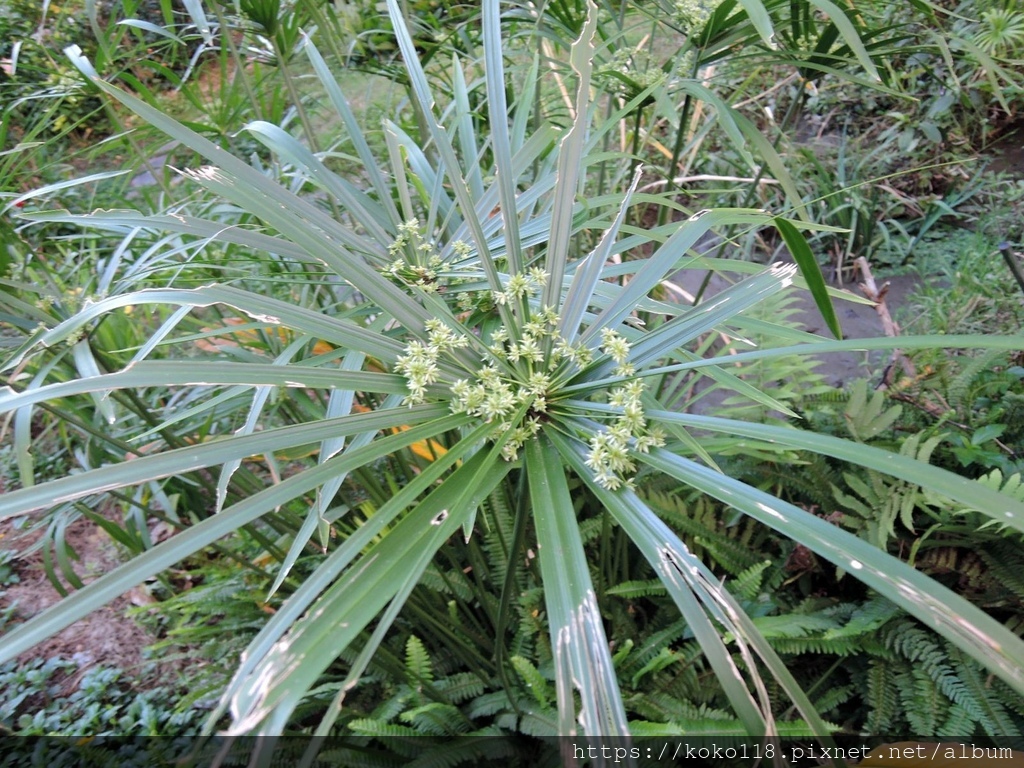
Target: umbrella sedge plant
[{"x": 474, "y": 325}]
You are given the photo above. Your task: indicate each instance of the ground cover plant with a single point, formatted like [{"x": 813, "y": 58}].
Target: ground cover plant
[{"x": 465, "y": 349}]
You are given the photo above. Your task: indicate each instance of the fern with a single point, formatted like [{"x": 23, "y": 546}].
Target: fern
[
  {"x": 959, "y": 392},
  {"x": 882, "y": 697},
  {"x": 786, "y": 378},
  {"x": 880, "y": 501},
  {"x": 1012, "y": 487},
  {"x": 449, "y": 582},
  {"x": 460, "y": 687},
  {"x": 747, "y": 583},
  {"x": 365, "y": 726},
  {"x": 989, "y": 710},
  {"x": 665, "y": 658},
  {"x": 436, "y": 719},
  {"x": 635, "y": 589},
  {"x": 1006, "y": 567},
  {"x": 924, "y": 704},
  {"x": 865, "y": 418},
  {"x": 661, "y": 706},
  {"x": 957, "y": 723},
  {"x": 834, "y": 698},
  {"x": 541, "y": 723},
  {"x": 958, "y": 681},
  {"x": 477, "y": 748},
  {"x": 535, "y": 682},
  {"x": 652, "y": 647},
  {"x": 702, "y": 530},
  {"x": 418, "y": 670}
]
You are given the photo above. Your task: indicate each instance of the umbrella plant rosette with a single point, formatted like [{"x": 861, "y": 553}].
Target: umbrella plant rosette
[{"x": 468, "y": 323}]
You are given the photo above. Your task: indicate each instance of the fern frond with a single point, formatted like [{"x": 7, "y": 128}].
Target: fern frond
[
  {"x": 665, "y": 658},
  {"x": 488, "y": 704},
  {"x": 747, "y": 583},
  {"x": 541, "y": 722},
  {"x": 865, "y": 417},
  {"x": 460, "y": 687},
  {"x": 636, "y": 588},
  {"x": 477, "y": 748},
  {"x": 924, "y": 705},
  {"x": 365, "y": 726},
  {"x": 882, "y": 697},
  {"x": 392, "y": 706},
  {"x": 448, "y": 582},
  {"x": 539, "y": 687},
  {"x": 1005, "y": 567},
  {"x": 991, "y": 714},
  {"x": 418, "y": 669},
  {"x": 701, "y": 527},
  {"x": 959, "y": 388},
  {"x": 652, "y": 646},
  {"x": 437, "y": 719},
  {"x": 959, "y": 723},
  {"x": 834, "y": 697}
]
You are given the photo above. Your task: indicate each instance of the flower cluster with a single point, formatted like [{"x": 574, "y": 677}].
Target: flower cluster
[
  {"x": 520, "y": 374},
  {"x": 609, "y": 454},
  {"x": 629, "y": 71},
  {"x": 419, "y": 363},
  {"x": 493, "y": 399},
  {"x": 417, "y": 260},
  {"x": 520, "y": 285},
  {"x": 692, "y": 15}
]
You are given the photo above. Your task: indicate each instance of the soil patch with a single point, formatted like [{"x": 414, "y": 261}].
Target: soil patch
[
  {"x": 108, "y": 636},
  {"x": 858, "y": 321},
  {"x": 1007, "y": 152}
]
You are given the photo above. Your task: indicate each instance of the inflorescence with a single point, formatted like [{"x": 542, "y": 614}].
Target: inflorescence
[{"x": 522, "y": 368}]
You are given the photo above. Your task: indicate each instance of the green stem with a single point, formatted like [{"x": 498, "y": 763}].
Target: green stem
[{"x": 509, "y": 588}]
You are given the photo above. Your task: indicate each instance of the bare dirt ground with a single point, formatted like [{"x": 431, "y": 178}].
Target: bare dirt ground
[
  {"x": 858, "y": 321},
  {"x": 109, "y": 636}
]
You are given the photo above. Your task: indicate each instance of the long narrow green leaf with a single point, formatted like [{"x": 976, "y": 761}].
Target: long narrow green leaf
[
  {"x": 705, "y": 316},
  {"x": 171, "y": 373},
  {"x": 727, "y": 379},
  {"x": 124, "y": 220},
  {"x": 252, "y": 420},
  {"x": 675, "y": 566},
  {"x": 364, "y": 209},
  {"x": 335, "y": 330},
  {"x": 339, "y": 405},
  {"x": 330, "y": 83},
  {"x": 761, "y": 20},
  {"x": 849, "y": 34},
  {"x": 118, "y": 581},
  {"x": 588, "y": 272},
  {"x": 570, "y": 151},
  {"x": 330, "y": 569},
  {"x": 980, "y": 636},
  {"x": 497, "y": 110},
  {"x": 59, "y": 186},
  {"x": 998, "y": 506},
  {"x": 661, "y": 262},
  {"x": 190, "y": 458},
  {"x": 466, "y": 131},
  {"x": 280, "y": 680},
  {"x": 295, "y": 218},
  {"x": 811, "y": 270},
  {"x": 657, "y": 540},
  {"x": 442, "y": 143},
  {"x": 580, "y": 648},
  {"x": 778, "y": 167},
  {"x": 1009, "y": 343}
]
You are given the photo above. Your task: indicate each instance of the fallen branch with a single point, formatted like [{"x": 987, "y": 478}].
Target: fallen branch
[{"x": 871, "y": 290}]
